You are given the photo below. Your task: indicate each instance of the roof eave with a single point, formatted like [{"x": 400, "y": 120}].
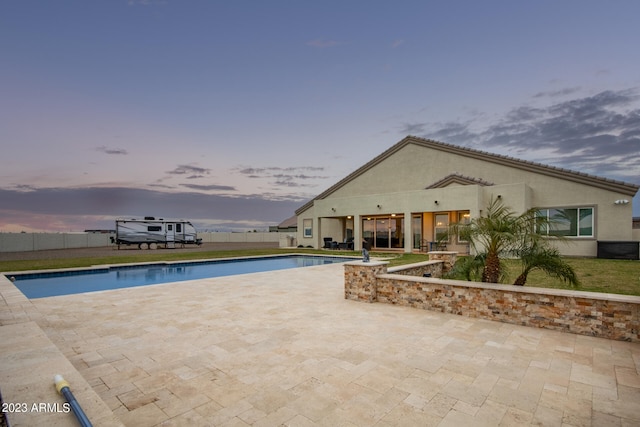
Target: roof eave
[{"x": 621, "y": 187}]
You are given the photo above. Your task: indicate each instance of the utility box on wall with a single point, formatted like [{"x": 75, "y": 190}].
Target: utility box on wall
[{"x": 619, "y": 250}]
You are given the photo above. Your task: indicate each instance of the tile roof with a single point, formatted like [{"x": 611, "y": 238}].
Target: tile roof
[{"x": 569, "y": 175}]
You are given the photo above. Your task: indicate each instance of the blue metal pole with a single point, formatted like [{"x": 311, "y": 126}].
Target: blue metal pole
[{"x": 63, "y": 388}]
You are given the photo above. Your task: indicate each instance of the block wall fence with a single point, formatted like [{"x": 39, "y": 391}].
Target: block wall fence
[
  {"x": 608, "y": 316},
  {"x": 24, "y": 242}
]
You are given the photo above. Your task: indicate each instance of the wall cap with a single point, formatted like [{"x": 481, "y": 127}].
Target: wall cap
[
  {"x": 414, "y": 265},
  {"x": 367, "y": 264}
]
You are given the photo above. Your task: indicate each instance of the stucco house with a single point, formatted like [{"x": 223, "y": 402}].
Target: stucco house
[{"x": 402, "y": 199}]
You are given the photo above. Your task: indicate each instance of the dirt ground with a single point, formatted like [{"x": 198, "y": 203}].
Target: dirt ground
[{"x": 133, "y": 250}]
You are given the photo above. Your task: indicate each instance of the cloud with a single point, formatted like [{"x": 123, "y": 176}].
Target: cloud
[
  {"x": 284, "y": 177},
  {"x": 195, "y": 171},
  {"x": 598, "y": 134},
  {"x": 212, "y": 187},
  {"x": 322, "y": 43},
  {"x": 115, "y": 151},
  {"x": 556, "y": 93},
  {"x": 66, "y": 209},
  {"x": 397, "y": 43},
  {"x": 413, "y": 128}
]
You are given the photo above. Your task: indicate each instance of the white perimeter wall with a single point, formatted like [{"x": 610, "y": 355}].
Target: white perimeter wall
[{"x": 21, "y": 242}]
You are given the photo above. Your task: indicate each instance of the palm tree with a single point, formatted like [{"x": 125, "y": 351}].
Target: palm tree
[
  {"x": 492, "y": 234},
  {"x": 546, "y": 259},
  {"x": 470, "y": 268},
  {"x": 500, "y": 233}
]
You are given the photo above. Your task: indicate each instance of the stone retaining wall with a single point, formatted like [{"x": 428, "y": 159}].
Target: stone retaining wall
[
  {"x": 433, "y": 268},
  {"x": 608, "y": 316}
]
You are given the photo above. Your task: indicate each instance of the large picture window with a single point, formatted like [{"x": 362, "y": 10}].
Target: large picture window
[{"x": 567, "y": 222}]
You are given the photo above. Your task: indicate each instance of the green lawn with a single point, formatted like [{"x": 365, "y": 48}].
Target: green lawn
[{"x": 596, "y": 275}]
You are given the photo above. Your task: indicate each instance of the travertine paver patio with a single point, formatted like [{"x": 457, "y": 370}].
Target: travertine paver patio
[{"x": 286, "y": 348}]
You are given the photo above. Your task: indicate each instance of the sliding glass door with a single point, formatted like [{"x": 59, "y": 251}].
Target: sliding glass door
[{"x": 384, "y": 231}]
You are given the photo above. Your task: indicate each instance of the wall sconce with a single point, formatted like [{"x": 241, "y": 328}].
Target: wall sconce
[
  {"x": 621, "y": 202},
  {"x": 499, "y": 196},
  {"x": 379, "y": 207},
  {"x": 333, "y": 209},
  {"x": 436, "y": 202}
]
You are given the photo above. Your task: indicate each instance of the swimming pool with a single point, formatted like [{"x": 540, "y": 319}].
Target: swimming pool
[{"x": 54, "y": 283}]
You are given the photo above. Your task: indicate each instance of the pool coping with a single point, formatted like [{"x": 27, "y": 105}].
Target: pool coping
[{"x": 169, "y": 263}]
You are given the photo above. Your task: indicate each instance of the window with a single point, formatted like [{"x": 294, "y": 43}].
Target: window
[
  {"x": 441, "y": 228},
  {"x": 154, "y": 228},
  {"x": 307, "y": 227},
  {"x": 464, "y": 218},
  {"x": 567, "y": 222},
  {"x": 178, "y": 228},
  {"x": 416, "y": 227}
]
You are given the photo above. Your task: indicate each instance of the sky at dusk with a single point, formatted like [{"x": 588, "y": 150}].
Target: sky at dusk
[{"x": 235, "y": 113}]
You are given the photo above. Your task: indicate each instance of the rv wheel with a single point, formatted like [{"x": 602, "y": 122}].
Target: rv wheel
[
  {"x": 153, "y": 246},
  {"x": 143, "y": 246}
]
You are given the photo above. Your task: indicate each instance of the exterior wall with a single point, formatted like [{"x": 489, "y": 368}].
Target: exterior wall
[
  {"x": 602, "y": 315},
  {"x": 398, "y": 182},
  {"x": 331, "y": 227},
  {"x": 224, "y": 237},
  {"x": 315, "y": 238},
  {"x": 21, "y": 242}
]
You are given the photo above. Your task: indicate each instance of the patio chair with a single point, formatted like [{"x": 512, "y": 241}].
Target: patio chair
[
  {"x": 327, "y": 242},
  {"x": 426, "y": 246}
]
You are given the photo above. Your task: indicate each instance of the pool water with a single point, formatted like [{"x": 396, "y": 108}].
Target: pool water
[{"x": 47, "y": 284}]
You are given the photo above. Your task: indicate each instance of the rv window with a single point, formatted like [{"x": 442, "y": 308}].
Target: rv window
[
  {"x": 170, "y": 227},
  {"x": 178, "y": 228},
  {"x": 154, "y": 228}
]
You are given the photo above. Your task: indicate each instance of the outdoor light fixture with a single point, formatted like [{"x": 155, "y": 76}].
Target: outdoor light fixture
[
  {"x": 333, "y": 209},
  {"x": 499, "y": 196},
  {"x": 379, "y": 207},
  {"x": 621, "y": 202},
  {"x": 436, "y": 202}
]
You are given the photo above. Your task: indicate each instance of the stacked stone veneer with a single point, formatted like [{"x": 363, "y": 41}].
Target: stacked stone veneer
[
  {"x": 361, "y": 278},
  {"x": 603, "y": 315},
  {"x": 447, "y": 258}
]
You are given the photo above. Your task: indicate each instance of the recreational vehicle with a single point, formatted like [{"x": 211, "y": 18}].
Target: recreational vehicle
[{"x": 151, "y": 233}]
